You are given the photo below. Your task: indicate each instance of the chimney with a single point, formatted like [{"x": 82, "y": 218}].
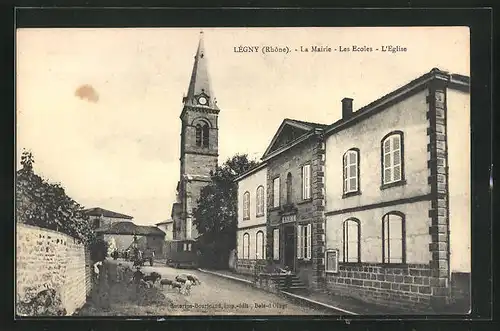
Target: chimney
[{"x": 346, "y": 108}]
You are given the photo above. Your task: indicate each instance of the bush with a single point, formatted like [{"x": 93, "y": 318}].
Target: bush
[{"x": 98, "y": 249}]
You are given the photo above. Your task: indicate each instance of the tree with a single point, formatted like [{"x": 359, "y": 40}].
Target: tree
[
  {"x": 46, "y": 205},
  {"x": 216, "y": 214}
]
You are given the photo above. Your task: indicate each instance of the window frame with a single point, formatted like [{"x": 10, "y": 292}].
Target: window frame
[
  {"x": 276, "y": 244},
  {"x": 306, "y": 197},
  {"x": 262, "y": 248},
  {"x": 247, "y": 250},
  {"x": 403, "y": 238},
  {"x": 304, "y": 242},
  {"x": 205, "y": 137},
  {"x": 348, "y": 193},
  {"x": 345, "y": 243},
  {"x": 402, "y": 179},
  {"x": 259, "y": 201},
  {"x": 337, "y": 252},
  {"x": 276, "y": 193},
  {"x": 199, "y": 134},
  {"x": 289, "y": 188},
  {"x": 246, "y": 206}
]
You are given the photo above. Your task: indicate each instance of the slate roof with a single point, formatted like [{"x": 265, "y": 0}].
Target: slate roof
[
  {"x": 165, "y": 222},
  {"x": 129, "y": 228},
  {"x": 311, "y": 124},
  {"x": 105, "y": 213}
]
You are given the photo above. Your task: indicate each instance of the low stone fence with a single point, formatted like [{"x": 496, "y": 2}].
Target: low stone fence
[{"x": 51, "y": 267}]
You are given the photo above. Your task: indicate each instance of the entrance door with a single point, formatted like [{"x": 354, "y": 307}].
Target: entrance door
[{"x": 289, "y": 258}]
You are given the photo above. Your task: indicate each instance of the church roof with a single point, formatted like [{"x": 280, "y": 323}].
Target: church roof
[{"x": 200, "y": 79}]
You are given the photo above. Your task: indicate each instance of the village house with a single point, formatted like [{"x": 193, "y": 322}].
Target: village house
[
  {"x": 398, "y": 196},
  {"x": 295, "y": 198},
  {"x": 102, "y": 217},
  {"x": 252, "y": 218},
  {"x": 168, "y": 228},
  {"x": 123, "y": 234}
]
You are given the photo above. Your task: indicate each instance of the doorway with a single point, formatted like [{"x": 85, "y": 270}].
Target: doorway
[{"x": 289, "y": 249}]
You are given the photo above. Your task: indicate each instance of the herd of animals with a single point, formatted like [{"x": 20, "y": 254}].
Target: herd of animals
[{"x": 183, "y": 282}]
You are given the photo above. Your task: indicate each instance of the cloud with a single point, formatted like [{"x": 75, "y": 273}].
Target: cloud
[{"x": 87, "y": 92}]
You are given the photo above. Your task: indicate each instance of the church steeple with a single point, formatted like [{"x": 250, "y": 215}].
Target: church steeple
[{"x": 200, "y": 92}]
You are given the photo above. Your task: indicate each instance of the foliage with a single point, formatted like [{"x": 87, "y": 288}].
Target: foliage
[
  {"x": 216, "y": 215},
  {"x": 37, "y": 302},
  {"x": 46, "y": 205},
  {"x": 98, "y": 249}
]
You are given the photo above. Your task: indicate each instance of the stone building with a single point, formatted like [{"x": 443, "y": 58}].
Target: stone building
[
  {"x": 295, "y": 197},
  {"x": 199, "y": 145},
  {"x": 100, "y": 217},
  {"x": 168, "y": 228},
  {"x": 252, "y": 218},
  {"x": 377, "y": 204},
  {"x": 123, "y": 233},
  {"x": 398, "y": 197}
]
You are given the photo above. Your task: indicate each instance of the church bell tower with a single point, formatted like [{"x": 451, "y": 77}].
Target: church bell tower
[{"x": 199, "y": 141}]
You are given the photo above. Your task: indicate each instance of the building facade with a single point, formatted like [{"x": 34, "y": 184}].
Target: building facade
[
  {"x": 100, "y": 217},
  {"x": 398, "y": 196},
  {"x": 168, "y": 228},
  {"x": 199, "y": 145},
  {"x": 295, "y": 198},
  {"x": 122, "y": 234},
  {"x": 252, "y": 218}
]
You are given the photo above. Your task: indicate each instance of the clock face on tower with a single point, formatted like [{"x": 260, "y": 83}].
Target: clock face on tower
[{"x": 202, "y": 101}]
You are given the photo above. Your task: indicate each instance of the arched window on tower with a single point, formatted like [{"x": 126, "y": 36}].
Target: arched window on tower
[
  {"x": 202, "y": 134},
  {"x": 205, "y": 134},
  {"x": 198, "y": 134}
]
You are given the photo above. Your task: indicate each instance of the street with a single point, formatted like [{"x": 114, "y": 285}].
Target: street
[{"x": 219, "y": 296}]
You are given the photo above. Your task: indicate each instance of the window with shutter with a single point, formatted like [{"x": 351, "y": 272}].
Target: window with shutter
[
  {"x": 276, "y": 192},
  {"x": 392, "y": 158},
  {"x": 246, "y": 205},
  {"x": 260, "y": 201},
  {"x": 306, "y": 182},
  {"x": 309, "y": 236},
  {"x": 276, "y": 244},
  {"x": 299, "y": 242},
  {"x": 351, "y": 171}
]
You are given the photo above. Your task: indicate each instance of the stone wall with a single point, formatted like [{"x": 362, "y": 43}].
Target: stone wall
[
  {"x": 407, "y": 286},
  {"x": 48, "y": 259}
]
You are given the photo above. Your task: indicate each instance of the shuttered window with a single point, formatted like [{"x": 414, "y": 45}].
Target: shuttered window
[
  {"x": 392, "y": 158},
  {"x": 276, "y": 244},
  {"x": 306, "y": 182},
  {"x": 304, "y": 242},
  {"x": 351, "y": 171}
]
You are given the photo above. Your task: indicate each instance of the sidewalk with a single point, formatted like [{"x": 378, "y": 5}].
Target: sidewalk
[{"x": 344, "y": 305}]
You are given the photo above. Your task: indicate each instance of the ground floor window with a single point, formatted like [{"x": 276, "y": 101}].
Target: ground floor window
[
  {"x": 276, "y": 244},
  {"x": 351, "y": 248},
  {"x": 304, "y": 242},
  {"x": 260, "y": 250},
  {"x": 246, "y": 246},
  {"x": 393, "y": 238}
]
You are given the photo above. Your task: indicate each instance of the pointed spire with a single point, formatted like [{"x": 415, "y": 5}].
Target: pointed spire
[{"x": 200, "y": 80}]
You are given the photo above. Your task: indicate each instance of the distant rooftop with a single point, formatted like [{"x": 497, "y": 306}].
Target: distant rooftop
[
  {"x": 105, "y": 213},
  {"x": 165, "y": 222},
  {"x": 129, "y": 228}
]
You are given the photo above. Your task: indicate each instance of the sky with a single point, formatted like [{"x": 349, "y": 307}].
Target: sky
[{"x": 99, "y": 108}]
